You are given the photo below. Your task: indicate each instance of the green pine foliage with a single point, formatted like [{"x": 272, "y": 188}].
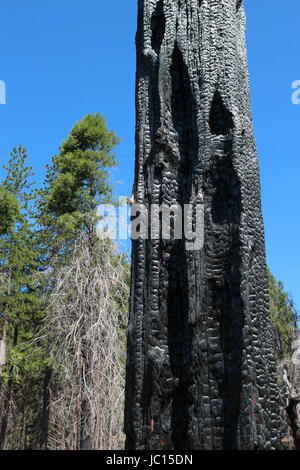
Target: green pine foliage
[
  {"x": 9, "y": 209},
  {"x": 80, "y": 174},
  {"x": 283, "y": 317}
]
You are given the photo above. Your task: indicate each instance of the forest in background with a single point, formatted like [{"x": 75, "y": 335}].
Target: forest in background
[{"x": 64, "y": 296}]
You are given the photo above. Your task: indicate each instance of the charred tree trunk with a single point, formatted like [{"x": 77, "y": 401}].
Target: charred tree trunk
[
  {"x": 200, "y": 365},
  {"x": 44, "y": 424}
]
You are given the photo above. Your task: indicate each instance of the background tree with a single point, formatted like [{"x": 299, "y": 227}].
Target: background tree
[
  {"x": 79, "y": 179},
  {"x": 284, "y": 318},
  {"x": 9, "y": 209},
  {"x": 20, "y": 306},
  {"x": 87, "y": 315},
  {"x": 77, "y": 182},
  {"x": 287, "y": 349}
]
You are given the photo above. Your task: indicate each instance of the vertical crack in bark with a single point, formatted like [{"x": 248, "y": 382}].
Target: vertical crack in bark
[
  {"x": 220, "y": 119},
  {"x": 158, "y": 26},
  {"x": 239, "y": 3}
]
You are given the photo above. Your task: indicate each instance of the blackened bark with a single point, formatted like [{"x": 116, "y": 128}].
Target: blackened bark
[{"x": 200, "y": 364}]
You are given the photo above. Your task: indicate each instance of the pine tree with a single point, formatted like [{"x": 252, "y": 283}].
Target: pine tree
[
  {"x": 285, "y": 329},
  {"x": 87, "y": 314},
  {"x": 79, "y": 176},
  {"x": 76, "y": 183},
  {"x": 9, "y": 209},
  {"x": 20, "y": 306}
]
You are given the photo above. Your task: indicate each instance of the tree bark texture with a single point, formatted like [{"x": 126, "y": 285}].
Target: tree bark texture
[{"x": 200, "y": 365}]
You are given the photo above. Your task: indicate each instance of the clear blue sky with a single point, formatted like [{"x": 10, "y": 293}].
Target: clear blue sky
[{"x": 61, "y": 59}]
